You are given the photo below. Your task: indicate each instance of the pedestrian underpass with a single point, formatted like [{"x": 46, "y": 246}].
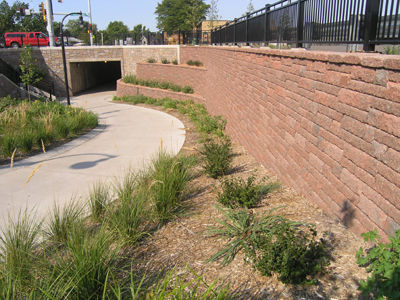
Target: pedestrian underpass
[{"x": 87, "y": 75}]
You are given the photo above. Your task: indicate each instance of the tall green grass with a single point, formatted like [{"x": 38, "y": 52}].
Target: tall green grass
[{"x": 26, "y": 125}]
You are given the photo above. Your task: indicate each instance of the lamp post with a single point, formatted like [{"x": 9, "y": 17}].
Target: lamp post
[{"x": 63, "y": 51}]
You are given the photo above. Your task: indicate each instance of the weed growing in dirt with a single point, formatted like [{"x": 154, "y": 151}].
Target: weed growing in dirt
[
  {"x": 175, "y": 61},
  {"x": 151, "y": 60},
  {"x": 165, "y": 61},
  {"x": 132, "y": 79},
  {"x": 237, "y": 192},
  {"x": 273, "y": 244},
  {"x": 383, "y": 262},
  {"x": 217, "y": 157}
]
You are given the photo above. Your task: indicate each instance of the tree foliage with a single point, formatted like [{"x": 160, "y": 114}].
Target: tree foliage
[
  {"x": 80, "y": 32},
  {"x": 30, "y": 73},
  {"x": 180, "y": 15},
  {"x": 10, "y": 19},
  {"x": 213, "y": 12}
]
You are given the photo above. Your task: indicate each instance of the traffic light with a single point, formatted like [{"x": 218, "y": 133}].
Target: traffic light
[
  {"x": 90, "y": 28},
  {"x": 42, "y": 11},
  {"x": 21, "y": 11}
]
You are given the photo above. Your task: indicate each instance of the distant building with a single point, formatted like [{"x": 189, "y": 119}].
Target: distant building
[{"x": 200, "y": 35}]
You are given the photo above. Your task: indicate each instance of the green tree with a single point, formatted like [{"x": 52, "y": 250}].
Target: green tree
[
  {"x": 80, "y": 32},
  {"x": 180, "y": 15},
  {"x": 139, "y": 31},
  {"x": 30, "y": 74},
  {"x": 116, "y": 30},
  {"x": 213, "y": 12}
]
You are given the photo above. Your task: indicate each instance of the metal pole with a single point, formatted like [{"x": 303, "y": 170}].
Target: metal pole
[
  {"x": 63, "y": 56},
  {"x": 102, "y": 40},
  {"x": 90, "y": 22},
  {"x": 50, "y": 28}
]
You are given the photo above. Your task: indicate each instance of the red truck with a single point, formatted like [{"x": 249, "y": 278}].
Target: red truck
[{"x": 19, "y": 39}]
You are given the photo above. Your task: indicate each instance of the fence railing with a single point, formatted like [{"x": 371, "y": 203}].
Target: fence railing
[{"x": 367, "y": 22}]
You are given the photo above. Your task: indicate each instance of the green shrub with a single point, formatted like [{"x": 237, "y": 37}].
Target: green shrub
[
  {"x": 26, "y": 140},
  {"x": 273, "y": 244},
  {"x": 237, "y": 192},
  {"x": 383, "y": 262},
  {"x": 217, "y": 157},
  {"x": 165, "y": 61},
  {"x": 151, "y": 60},
  {"x": 175, "y": 61},
  {"x": 188, "y": 89},
  {"x": 194, "y": 63},
  {"x": 292, "y": 252}
]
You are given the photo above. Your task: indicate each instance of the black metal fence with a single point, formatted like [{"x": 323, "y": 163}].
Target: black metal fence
[{"x": 367, "y": 22}]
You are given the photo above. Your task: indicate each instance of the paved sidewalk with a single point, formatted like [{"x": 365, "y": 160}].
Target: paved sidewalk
[{"x": 128, "y": 136}]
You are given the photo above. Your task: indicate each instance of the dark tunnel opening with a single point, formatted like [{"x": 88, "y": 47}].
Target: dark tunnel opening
[{"x": 88, "y": 75}]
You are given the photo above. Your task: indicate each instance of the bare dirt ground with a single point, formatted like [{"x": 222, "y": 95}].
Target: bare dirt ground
[{"x": 184, "y": 242}]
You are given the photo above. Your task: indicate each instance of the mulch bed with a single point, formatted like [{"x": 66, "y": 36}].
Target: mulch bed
[{"x": 184, "y": 243}]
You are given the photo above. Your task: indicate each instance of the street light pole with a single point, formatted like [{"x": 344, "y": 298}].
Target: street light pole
[
  {"x": 63, "y": 52},
  {"x": 90, "y": 22}
]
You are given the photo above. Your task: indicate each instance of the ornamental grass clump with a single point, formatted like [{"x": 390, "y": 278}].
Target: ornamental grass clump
[
  {"x": 237, "y": 192},
  {"x": 27, "y": 126},
  {"x": 274, "y": 245}
]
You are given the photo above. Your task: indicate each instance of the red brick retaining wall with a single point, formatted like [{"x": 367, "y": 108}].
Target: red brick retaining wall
[
  {"x": 179, "y": 74},
  {"x": 327, "y": 123},
  {"x": 127, "y": 89}
]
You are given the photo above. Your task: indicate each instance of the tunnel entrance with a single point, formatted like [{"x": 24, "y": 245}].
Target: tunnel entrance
[{"x": 87, "y": 75}]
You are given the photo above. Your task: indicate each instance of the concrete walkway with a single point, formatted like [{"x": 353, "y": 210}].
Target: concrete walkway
[{"x": 128, "y": 136}]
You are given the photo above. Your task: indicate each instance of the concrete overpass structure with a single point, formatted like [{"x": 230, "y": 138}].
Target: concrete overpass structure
[{"x": 89, "y": 66}]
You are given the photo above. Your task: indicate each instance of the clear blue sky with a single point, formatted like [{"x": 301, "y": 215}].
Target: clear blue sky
[{"x": 133, "y": 12}]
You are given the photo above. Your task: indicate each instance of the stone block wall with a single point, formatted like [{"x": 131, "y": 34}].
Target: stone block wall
[
  {"x": 50, "y": 60},
  {"x": 327, "y": 123}
]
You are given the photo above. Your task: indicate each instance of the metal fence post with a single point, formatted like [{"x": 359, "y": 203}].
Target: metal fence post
[
  {"x": 234, "y": 31},
  {"x": 300, "y": 23},
  {"x": 247, "y": 29},
  {"x": 371, "y": 24},
  {"x": 266, "y": 22}
]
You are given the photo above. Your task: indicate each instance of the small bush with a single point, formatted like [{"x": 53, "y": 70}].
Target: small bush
[
  {"x": 151, "y": 60},
  {"x": 237, "y": 192},
  {"x": 175, "y": 61},
  {"x": 188, "y": 89},
  {"x": 383, "y": 262},
  {"x": 194, "y": 63},
  {"x": 273, "y": 244},
  {"x": 165, "y": 61},
  {"x": 217, "y": 157}
]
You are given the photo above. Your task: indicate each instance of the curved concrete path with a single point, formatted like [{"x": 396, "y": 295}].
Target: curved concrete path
[{"x": 128, "y": 136}]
